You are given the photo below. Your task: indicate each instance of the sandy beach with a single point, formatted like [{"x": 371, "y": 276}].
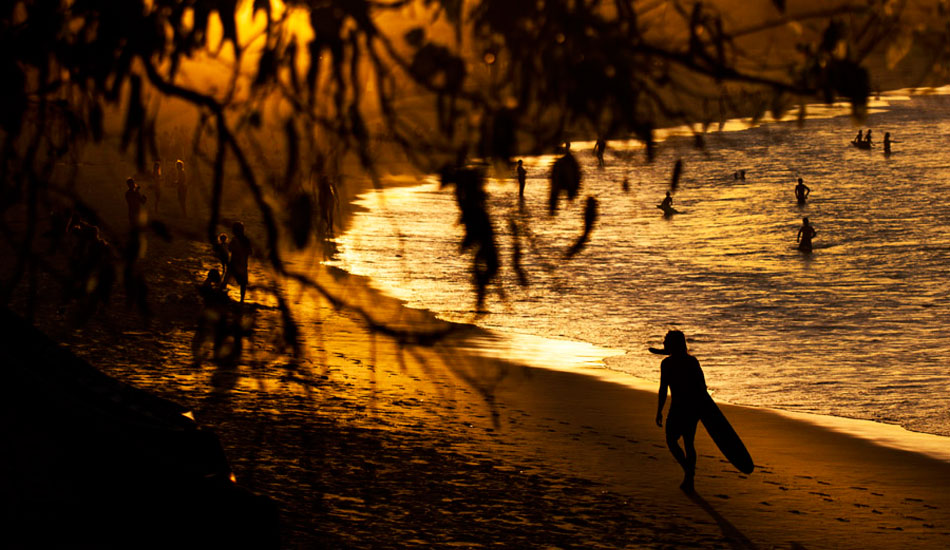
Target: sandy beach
[{"x": 372, "y": 441}]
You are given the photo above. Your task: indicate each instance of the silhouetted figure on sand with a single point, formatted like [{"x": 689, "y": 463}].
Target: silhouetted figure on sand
[
  {"x": 522, "y": 178},
  {"x": 600, "y": 147},
  {"x": 213, "y": 321},
  {"x": 92, "y": 268},
  {"x": 805, "y": 234},
  {"x": 136, "y": 203},
  {"x": 801, "y": 192},
  {"x": 222, "y": 254},
  {"x": 240, "y": 248},
  {"x": 157, "y": 184},
  {"x": 681, "y": 374},
  {"x": 181, "y": 184}
]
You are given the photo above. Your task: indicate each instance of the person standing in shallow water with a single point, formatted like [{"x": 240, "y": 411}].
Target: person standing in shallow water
[
  {"x": 681, "y": 375},
  {"x": 801, "y": 192},
  {"x": 522, "y": 178},
  {"x": 600, "y": 147},
  {"x": 805, "y": 234}
]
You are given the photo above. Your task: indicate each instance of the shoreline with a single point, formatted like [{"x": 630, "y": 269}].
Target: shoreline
[
  {"x": 594, "y": 361},
  {"x": 371, "y": 442}
]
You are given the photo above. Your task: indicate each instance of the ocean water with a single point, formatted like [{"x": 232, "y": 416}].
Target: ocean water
[{"x": 860, "y": 328}]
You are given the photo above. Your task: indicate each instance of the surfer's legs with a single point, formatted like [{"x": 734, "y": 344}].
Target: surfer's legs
[
  {"x": 689, "y": 437},
  {"x": 677, "y": 427}
]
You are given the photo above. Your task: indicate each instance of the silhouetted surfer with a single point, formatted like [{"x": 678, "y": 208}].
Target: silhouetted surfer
[
  {"x": 522, "y": 178},
  {"x": 667, "y": 205},
  {"x": 887, "y": 143},
  {"x": 859, "y": 138},
  {"x": 802, "y": 191},
  {"x": 867, "y": 137},
  {"x": 681, "y": 373},
  {"x": 805, "y": 234}
]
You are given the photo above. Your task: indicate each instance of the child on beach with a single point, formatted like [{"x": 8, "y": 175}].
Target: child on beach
[
  {"x": 240, "y": 248},
  {"x": 682, "y": 375},
  {"x": 221, "y": 253}
]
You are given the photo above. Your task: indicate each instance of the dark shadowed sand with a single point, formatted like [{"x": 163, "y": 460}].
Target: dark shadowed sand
[{"x": 369, "y": 443}]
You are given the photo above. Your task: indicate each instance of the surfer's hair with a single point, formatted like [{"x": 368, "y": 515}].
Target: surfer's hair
[{"x": 675, "y": 341}]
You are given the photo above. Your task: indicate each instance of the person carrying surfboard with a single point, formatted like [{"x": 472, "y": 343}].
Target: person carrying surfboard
[{"x": 682, "y": 375}]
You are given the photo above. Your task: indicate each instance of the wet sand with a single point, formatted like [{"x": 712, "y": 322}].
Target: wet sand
[{"x": 369, "y": 442}]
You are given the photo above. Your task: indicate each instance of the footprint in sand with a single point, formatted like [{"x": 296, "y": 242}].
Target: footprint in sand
[
  {"x": 930, "y": 506},
  {"x": 843, "y": 520},
  {"x": 876, "y": 512},
  {"x": 804, "y": 477},
  {"x": 770, "y": 482},
  {"x": 724, "y": 497},
  {"x": 823, "y": 483},
  {"x": 764, "y": 503},
  {"x": 915, "y": 518},
  {"x": 796, "y": 512},
  {"x": 859, "y": 488},
  {"x": 859, "y": 505},
  {"x": 908, "y": 499},
  {"x": 877, "y": 494},
  {"x": 818, "y": 493}
]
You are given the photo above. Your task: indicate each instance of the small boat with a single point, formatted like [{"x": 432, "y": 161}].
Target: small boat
[{"x": 866, "y": 145}]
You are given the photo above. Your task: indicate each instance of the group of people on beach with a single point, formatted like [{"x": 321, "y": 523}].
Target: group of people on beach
[
  {"x": 233, "y": 255},
  {"x": 179, "y": 182}
]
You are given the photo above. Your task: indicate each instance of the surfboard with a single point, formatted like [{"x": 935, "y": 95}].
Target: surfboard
[
  {"x": 668, "y": 211},
  {"x": 724, "y": 436}
]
